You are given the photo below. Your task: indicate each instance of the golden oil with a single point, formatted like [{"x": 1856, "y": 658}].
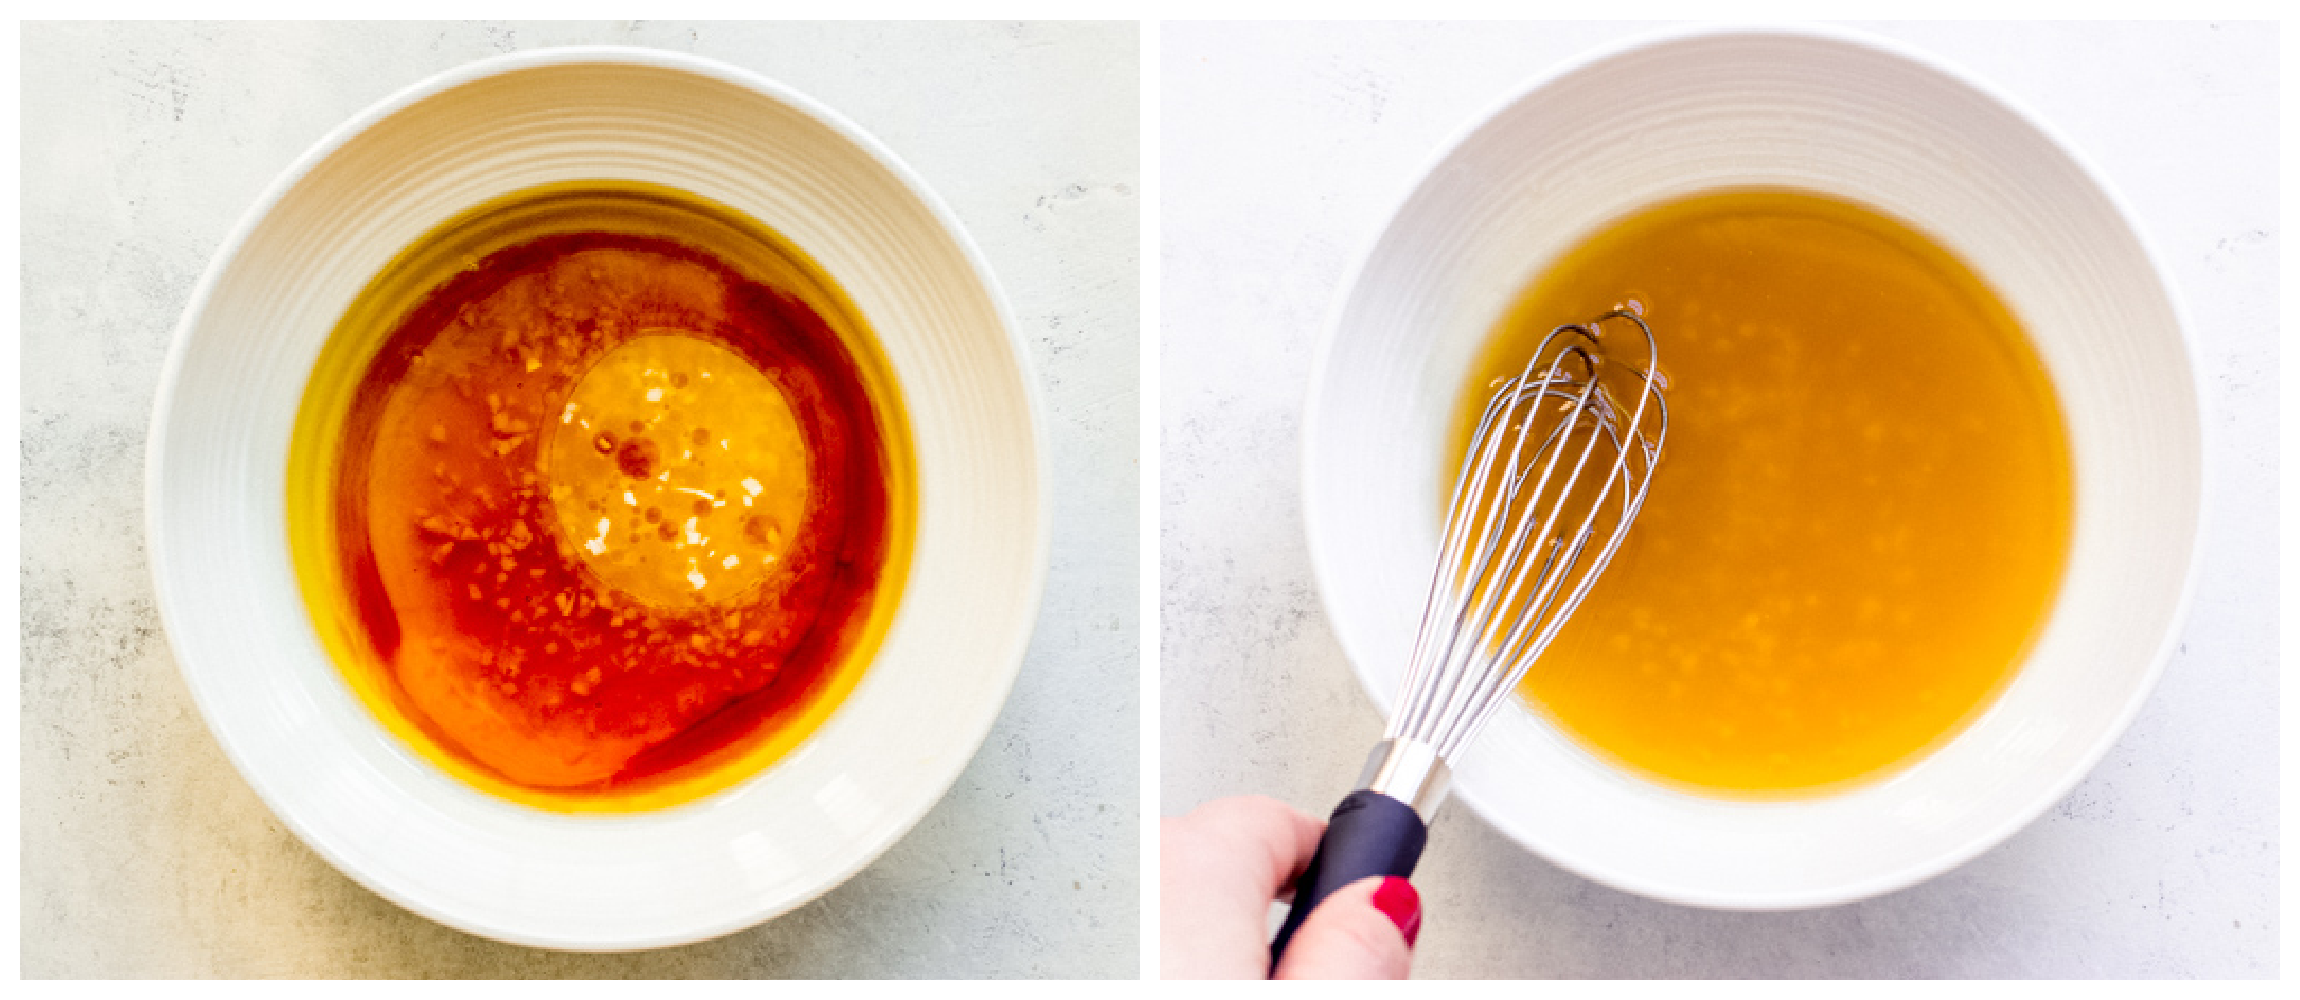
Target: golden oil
[
  {"x": 681, "y": 543},
  {"x": 1861, "y": 518}
]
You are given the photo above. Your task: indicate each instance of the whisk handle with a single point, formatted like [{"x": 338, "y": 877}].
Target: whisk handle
[{"x": 1368, "y": 834}]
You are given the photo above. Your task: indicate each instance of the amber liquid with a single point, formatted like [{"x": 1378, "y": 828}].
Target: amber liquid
[
  {"x": 1861, "y": 516},
  {"x": 601, "y": 520}
]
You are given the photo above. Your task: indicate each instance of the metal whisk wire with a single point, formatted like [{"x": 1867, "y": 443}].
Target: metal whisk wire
[
  {"x": 1501, "y": 588},
  {"x": 1471, "y": 649}
]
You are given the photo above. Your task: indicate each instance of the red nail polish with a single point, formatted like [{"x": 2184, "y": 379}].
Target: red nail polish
[{"x": 1397, "y": 900}]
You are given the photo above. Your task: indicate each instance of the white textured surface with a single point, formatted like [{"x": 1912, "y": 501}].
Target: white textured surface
[
  {"x": 1007, "y": 876},
  {"x": 1285, "y": 148}
]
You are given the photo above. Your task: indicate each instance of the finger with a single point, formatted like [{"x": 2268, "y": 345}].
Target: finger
[
  {"x": 1258, "y": 845},
  {"x": 1276, "y": 839},
  {"x": 1219, "y": 867},
  {"x": 1365, "y": 930}
]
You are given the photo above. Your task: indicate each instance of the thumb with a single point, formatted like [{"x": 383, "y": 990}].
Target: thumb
[{"x": 1365, "y": 930}]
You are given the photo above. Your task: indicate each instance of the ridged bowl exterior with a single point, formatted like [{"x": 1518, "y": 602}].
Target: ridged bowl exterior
[
  {"x": 1836, "y": 113},
  {"x": 240, "y": 632}
]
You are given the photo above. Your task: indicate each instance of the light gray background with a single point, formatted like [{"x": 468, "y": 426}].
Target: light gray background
[
  {"x": 144, "y": 854},
  {"x": 1282, "y": 149}
]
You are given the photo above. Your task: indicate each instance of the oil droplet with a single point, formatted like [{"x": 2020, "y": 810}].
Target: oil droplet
[{"x": 638, "y": 457}]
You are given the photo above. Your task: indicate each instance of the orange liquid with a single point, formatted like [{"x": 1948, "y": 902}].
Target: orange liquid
[
  {"x": 1861, "y": 515},
  {"x": 606, "y": 514}
]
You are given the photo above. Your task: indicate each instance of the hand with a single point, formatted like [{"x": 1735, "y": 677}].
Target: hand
[{"x": 1220, "y": 868}]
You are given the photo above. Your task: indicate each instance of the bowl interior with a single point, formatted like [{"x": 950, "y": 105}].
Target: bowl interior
[
  {"x": 283, "y": 712},
  {"x": 1842, "y": 116}
]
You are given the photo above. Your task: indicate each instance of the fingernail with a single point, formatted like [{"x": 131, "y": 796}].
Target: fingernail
[{"x": 1397, "y": 900}]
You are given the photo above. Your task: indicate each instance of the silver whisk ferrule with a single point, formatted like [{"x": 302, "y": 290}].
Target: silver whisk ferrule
[{"x": 1409, "y": 771}]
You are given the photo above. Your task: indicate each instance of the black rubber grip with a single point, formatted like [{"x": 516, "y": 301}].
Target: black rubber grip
[{"x": 1369, "y": 834}]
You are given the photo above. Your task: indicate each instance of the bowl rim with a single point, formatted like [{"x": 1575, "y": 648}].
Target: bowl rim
[
  {"x": 1323, "y": 571},
  {"x": 1014, "y": 649}
]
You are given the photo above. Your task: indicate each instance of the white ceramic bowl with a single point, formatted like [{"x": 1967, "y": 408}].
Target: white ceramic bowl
[
  {"x": 370, "y": 804},
  {"x": 1831, "y": 112}
]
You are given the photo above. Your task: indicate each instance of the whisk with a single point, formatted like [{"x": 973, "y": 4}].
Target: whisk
[{"x": 1512, "y": 566}]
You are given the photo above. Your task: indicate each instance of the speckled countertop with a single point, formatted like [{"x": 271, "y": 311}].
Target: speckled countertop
[
  {"x": 144, "y": 854},
  {"x": 1282, "y": 148}
]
